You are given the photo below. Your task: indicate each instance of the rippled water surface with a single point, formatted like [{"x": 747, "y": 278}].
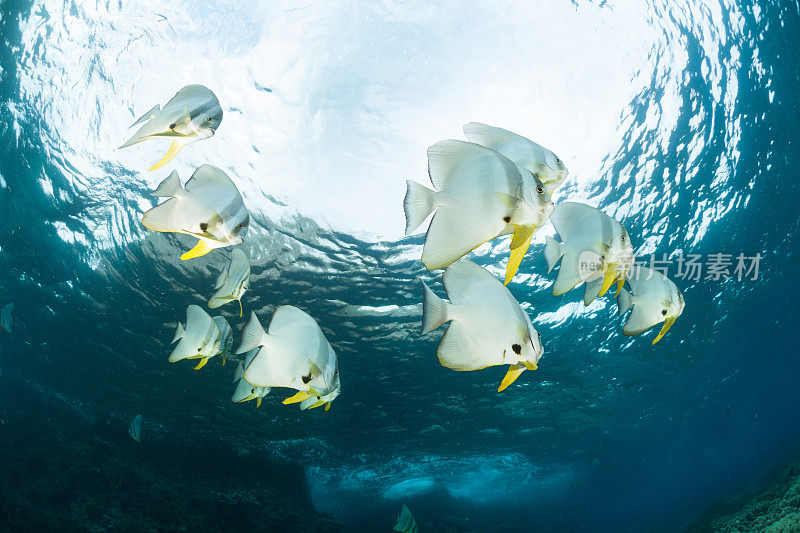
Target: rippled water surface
[{"x": 679, "y": 118}]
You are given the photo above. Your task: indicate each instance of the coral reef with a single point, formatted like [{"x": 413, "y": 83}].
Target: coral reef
[{"x": 771, "y": 509}]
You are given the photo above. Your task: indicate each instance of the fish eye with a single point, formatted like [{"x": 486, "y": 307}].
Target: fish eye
[
  {"x": 210, "y": 120},
  {"x": 540, "y": 190},
  {"x": 623, "y": 238},
  {"x": 517, "y": 348},
  {"x": 664, "y": 312}
]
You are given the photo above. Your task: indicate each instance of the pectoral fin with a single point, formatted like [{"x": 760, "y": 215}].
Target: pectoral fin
[
  {"x": 258, "y": 403},
  {"x": 327, "y": 407},
  {"x": 506, "y": 200},
  {"x": 519, "y": 245},
  {"x": 172, "y": 152},
  {"x": 667, "y": 324},
  {"x": 511, "y": 376},
  {"x": 202, "y": 248}
]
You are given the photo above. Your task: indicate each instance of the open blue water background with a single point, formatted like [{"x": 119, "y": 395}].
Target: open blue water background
[{"x": 680, "y": 118}]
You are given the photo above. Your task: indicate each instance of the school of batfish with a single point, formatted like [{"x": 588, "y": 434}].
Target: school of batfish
[{"x": 494, "y": 184}]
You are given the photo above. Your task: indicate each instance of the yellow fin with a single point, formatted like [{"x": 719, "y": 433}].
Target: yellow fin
[
  {"x": 258, "y": 403},
  {"x": 319, "y": 403},
  {"x": 241, "y": 310},
  {"x": 518, "y": 251},
  {"x": 665, "y": 328},
  {"x": 202, "y": 248},
  {"x": 522, "y": 234},
  {"x": 224, "y": 357},
  {"x": 202, "y": 363},
  {"x": 301, "y": 396},
  {"x": 172, "y": 152},
  {"x": 608, "y": 280},
  {"x": 327, "y": 407},
  {"x": 511, "y": 376}
]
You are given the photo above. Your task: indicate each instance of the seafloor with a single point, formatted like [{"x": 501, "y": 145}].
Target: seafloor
[
  {"x": 80, "y": 473},
  {"x": 772, "y": 506}
]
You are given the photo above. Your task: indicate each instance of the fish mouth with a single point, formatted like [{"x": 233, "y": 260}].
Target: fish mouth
[{"x": 665, "y": 328}]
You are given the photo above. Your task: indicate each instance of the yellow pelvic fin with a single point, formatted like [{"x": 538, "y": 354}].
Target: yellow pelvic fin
[
  {"x": 620, "y": 284},
  {"x": 201, "y": 248},
  {"x": 511, "y": 376},
  {"x": 172, "y": 152},
  {"x": 531, "y": 366},
  {"x": 318, "y": 404},
  {"x": 258, "y": 403},
  {"x": 327, "y": 407},
  {"x": 518, "y": 251},
  {"x": 297, "y": 398},
  {"x": 241, "y": 310},
  {"x": 224, "y": 357},
  {"x": 665, "y": 328},
  {"x": 608, "y": 280},
  {"x": 202, "y": 363},
  {"x": 522, "y": 234}
]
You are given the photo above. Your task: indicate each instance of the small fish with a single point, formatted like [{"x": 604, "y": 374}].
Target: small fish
[
  {"x": 487, "y": 325},
  {"x": 537, "y": 159},
  {"x": 479, "y": 195},
  {"x": 226, "y": 337},
  {"x": 135, "y": 428},
  {"x": 209, "y": 208},
  {"x": 200, "y": 339},
  {"x": 295, "y": 354},
  {"x": 405, "y": 521},
  {"x": 5, "y": 317},
  {"x": 655, "y": 299},
  {"x": 232, "y": 281},
  {"x": 244, "y": 391},
  {"x": 595, "y": 248},
  {"x": 191, "y": 115}
]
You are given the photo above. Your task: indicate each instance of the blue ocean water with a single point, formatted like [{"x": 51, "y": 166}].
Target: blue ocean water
[{"x": 678, "y": 118}]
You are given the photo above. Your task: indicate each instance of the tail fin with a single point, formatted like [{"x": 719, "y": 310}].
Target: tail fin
[
  {"x": 418, "y": 204},
  {"x": 171, "y": 186},
  {"x": 552, "y": 252},
  {"x": 252, "y": 333},
  {"x": 179, "y": 333},
  {"x": 434, "y": 310},
  {"x": 624, "y": 301}
]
